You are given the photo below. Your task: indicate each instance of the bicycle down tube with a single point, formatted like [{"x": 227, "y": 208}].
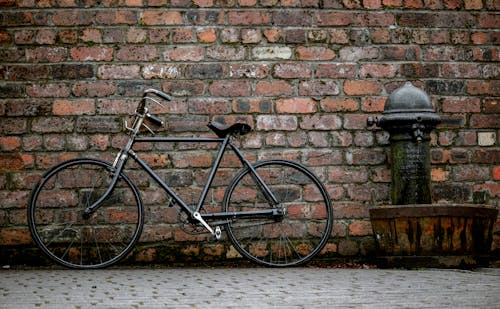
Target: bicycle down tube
[{"x": 272, "y": 212}]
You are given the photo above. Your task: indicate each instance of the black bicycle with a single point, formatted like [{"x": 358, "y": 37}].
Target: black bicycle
[{"x": 87, "y": 213}]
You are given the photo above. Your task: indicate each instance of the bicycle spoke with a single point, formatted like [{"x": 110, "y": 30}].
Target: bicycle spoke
[
  {"x": 281, "y": 241},
  {"x": 97, "y": 241}
]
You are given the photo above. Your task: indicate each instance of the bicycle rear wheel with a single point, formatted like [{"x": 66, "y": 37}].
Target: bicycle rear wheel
[
  {"x": 57, "y": 223},
  {"x": 299, "y": 234}
]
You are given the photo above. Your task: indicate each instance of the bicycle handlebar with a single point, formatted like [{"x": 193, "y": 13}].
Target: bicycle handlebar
[{"x": 162, "y": 95}]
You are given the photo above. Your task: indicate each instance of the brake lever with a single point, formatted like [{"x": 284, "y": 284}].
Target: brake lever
[{"x": 156, "y": 101}]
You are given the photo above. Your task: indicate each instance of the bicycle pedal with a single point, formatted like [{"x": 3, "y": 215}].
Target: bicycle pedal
[{"x": 218, "y": 233}]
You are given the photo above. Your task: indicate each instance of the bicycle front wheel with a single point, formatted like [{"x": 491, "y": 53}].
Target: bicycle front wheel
[
  {"x": 296, "y": 236},
  {"x": 58, "y": 225}
]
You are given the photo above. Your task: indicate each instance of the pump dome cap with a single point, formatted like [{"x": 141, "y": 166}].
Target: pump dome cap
[{"x": 408, "y": 98}]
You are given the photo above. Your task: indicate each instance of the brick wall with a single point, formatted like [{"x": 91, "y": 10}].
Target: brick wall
[{"x": 305, "y": 74}]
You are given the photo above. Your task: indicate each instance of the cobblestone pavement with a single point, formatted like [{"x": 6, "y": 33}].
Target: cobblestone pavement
[{"x": 249, "y": 288}]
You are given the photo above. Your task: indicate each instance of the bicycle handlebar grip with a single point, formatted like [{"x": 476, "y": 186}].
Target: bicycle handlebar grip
[
  {"x": 157, "y": 121},
  {"x": 162, "y": 95}
]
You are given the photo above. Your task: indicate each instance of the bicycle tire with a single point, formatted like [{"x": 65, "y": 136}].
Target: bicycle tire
[
  {"x": 57, "y": 224},
  {"x": 305, "y": 226}
]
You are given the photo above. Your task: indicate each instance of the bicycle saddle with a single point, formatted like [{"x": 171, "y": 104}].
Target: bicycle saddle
[{"x": 222, "y": 130}]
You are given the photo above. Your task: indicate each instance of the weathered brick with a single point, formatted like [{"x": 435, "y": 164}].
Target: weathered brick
[
  {"x": 52, "y": 124},
  {"x": 184, "y": 53},
  {"x": 67, "y": 107},
  {"x": 272, "y": 52},
  {"x": 321, "y": 122},
  {"x": 72, "y": 71},
  {"x": 10, "y": 143},
  {"x": 461, "y": 105},
  {"x": 275, "y": 122},
  {"x": 483, "y": 87},
  {"x": 118, "y": 71},
  {"x": 315, "y": 53},
  {"x": 354, "y": 54},
  {"x": 161, "y": 71},
  {"x": 137, "y": 53},
  {"x": 335, "y": 70},
  {"x": 360, "y": 228},
  {"x": 226, "y": 53},
  {"x": 183, "y": 36},
  {"x": 73, "y": 18},
  {"x": 205, "y": 71},
  {"x": 362, "y": 87},
  {"x": 48, "y": 90},
  {"x": 491, "y": 105},
  {"x": 273, "y": 88},
  {"x": 249, "y": 18},
  {"x": 46, "y": 54},
  {"x": 328, "y": 19},
  {"x": 338, "y": 104},
  {"x": 116, "y": 17},
  {"x": 292, "y": 70},
  {"x": 296, "y": 106},
  {"x": 230, "y": 88},
  {"x": 291, "y": 18},
  {"x": 318, "y": 88},
  {"x": 93, "y": 89},
  {"x": 92, "y": 53},
  {"x": 378, "y": 70},
  {"x": 161, "y": 17},
  {"x": 209, "y": 106}
]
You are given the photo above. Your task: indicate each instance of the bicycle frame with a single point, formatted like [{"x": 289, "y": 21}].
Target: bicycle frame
[{"x": 127, "y": 151}]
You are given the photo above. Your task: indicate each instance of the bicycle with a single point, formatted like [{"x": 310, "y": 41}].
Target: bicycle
[{"x": 87, "y": 213}]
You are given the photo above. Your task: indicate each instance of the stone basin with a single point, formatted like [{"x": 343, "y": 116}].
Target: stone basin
[{"x": 433, "y": 235}]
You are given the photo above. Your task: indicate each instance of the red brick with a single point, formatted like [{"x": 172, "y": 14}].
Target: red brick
[
  {"x": 362, "y": 87},
  {"x": 360, "y": 228},
  {"x": 10, "y": 237},
  {"x": 230, "y": 88},
  {"x": 117, "y": 17},
  {"x": 296, "y": 106},
  {"x": 464, "y": 70},
  {"x": 67, "y": 107},
  {"x": 161, "y": 17},
  {"x": 488, "y": 20},
  {"x": 342, "y": 174},
  {"x": 461, "y": 105},
  {"x": 314, "y": 53},
  {"x": 321, "y": 122},
  {"x": 336, "y": 70},
  {"x": 137, "y": 53},
  {"x": 209, "y": 106},
  {"x": 207, "y": 36},
  {"x": 473, "y": 4},
  {"x": 184, "y": 53},
  {"x": 10, "y": 143},
  {"x": 249, "y": 18},
  {"x": 470, "y": 173},
  {"x": 15, "y": 162},
  {"x": 378, "y": 70},
  {"x": 46, "y": 54},
  {"x": 483, "y": 87},
  {"x": 318, "y": 88},
  {"x": 339, "y": 36},
  {"x": 323, "y": 157},
  {"x": 355, "y": 121},
  {"x": 292, "y": 70},
  {"x": 273, "y": 88},
  {"x": 496, "y": 172},
  {"x": 183, "y": 36},
  {"x": 49, "y": 90},
  {"x": 93, "y": 89},
  {"x": 93, "y": 53},
  {"x": 328, "y": 19},
  {"x": 373, "y": 104},
  {"x": 491, "y": 105},
  {"x": 74, "y": 17},
  {"x": 339, "y": 104}
]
